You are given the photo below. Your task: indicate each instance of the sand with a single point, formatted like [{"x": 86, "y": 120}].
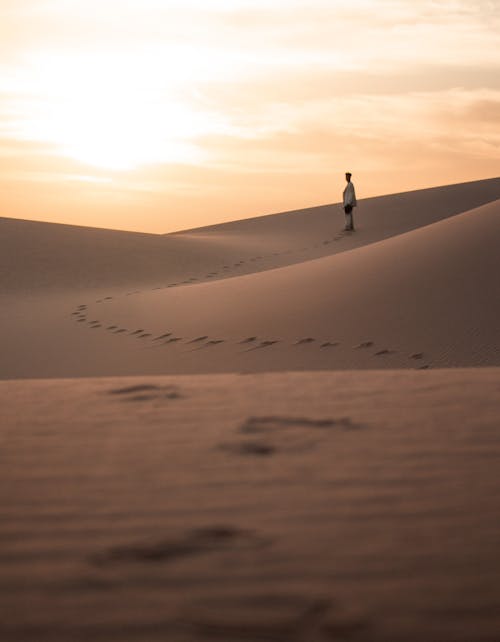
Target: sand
[
  {"x": 283, "y": 292},
  {"x": 266, "y": 430},
  {"x": 290, "y": 507}
]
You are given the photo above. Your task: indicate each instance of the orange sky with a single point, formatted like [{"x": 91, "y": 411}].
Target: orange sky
[{"x": 158, "y": 115}]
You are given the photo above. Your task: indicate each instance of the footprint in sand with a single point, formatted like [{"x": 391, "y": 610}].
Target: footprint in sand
[
  {"x": 120, "y": 331},
  {"x": 426, "y": 367},
  {"x": 136, "y": 332},
  {"x": 269, "y": 615},
  {"x": 112, "y": 327},
  {"x": 163, "y": 336},
  {"x": 143, "y": 336},
  {"x": 249, "y": 340},
  {"x": 265, "y": 436},
  {"x": 330, "y": 344},
  {"x": 264, "y": 344},
  {"x": 146, "y": 392},
  {"x": 384, "y": 351},
  {"x": 251, "y": 448},
  {"x": 305, "y": 340},
  {"x": 172, "y": 340},
  {"x": 108, "y": 298},
  {"x": 82, "y": 320},
  {"x": 417, "y": 355},
  {"x": 198, "y": 339},
  {"x": 96, "y": 325},
  {"x": 215, "y": 342},
  {"x": 201, "y": 541},
  {"x": 364, "y": 344}
]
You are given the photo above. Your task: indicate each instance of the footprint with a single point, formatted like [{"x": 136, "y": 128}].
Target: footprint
[
  {"x": 136, "y": 332},
  {"x": 265, "y": 425},
  {"x": 265, "y": 344},
  {"x": 364, "y": 344},
  {"x": 264, "y": 436},
  {"x": 199, "y": 541},
  {"x": 384, "y": 351},
  {"x": 96, "y": 325},
  {"x": 198, "y": 339},
  {"x": 143, "y": 336},
  {"x": 120, "y": 331},
  {"x": 81, "y": 320},
  {"x": 253, "y": 448},
  {"x": 173, "y": 340},
  {"x": 215, "y": 342},
  {"x": 426, "y": 367},
  {"x": 249, "y": 340},
  {"x": 112, "y": 327},
  {"x": 108, "y": 298},
  {"x": 263, "y": 616},
  {"x": 306, "y": 340},
  {"x": 163, "y": 336},
  {"x": 330, "y": 344},
  {"x": 417, "y": 355},
  {"x": 147, "y": 392}
]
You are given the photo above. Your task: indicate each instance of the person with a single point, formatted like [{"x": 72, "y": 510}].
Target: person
[{"x": 349, "y": 202}]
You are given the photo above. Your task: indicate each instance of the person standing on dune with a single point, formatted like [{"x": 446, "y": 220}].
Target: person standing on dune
[{"x": 349, "y": 202}]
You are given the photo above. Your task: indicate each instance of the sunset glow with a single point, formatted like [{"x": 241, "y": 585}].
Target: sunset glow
[{"x": 197, "y": 112}]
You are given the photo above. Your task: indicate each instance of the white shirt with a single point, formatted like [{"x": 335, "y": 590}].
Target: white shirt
[{"x": 350, "y": 195}]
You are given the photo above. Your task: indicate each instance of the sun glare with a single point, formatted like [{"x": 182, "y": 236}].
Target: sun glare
[{"x": 116, "y": 112}]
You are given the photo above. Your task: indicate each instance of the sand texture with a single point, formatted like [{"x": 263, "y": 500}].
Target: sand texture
[
  {"x": 264, "y": 431},
  {"x": 299, "y": 507},
  {"x": 415, "y": 286}
]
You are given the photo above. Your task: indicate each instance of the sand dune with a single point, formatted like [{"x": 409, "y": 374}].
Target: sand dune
[
  {"x": 357, "y": 505},
  {"x": 299, "y": 507},
  {"x": 43, "y": 257},
  {"x": 425, "y": 298}
]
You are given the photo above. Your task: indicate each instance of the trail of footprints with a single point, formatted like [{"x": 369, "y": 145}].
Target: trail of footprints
[
  {"x": 223, "y": 271},
  {"x": 247, "y": 344}
]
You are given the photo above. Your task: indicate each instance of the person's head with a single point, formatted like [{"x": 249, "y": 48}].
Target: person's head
[{"x": 348, "y": 176}]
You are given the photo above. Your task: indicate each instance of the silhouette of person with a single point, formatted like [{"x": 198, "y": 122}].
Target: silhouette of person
[{"x": 349, "y": 202}]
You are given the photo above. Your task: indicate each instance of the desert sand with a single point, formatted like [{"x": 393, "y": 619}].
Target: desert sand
[{"x": 263, "y": 430}]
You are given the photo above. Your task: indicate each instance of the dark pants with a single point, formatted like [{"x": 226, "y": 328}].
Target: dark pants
[{"x": 349, "y": 219}]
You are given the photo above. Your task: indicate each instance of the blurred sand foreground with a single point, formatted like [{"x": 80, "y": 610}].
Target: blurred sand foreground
[{"x": 267, "y": 430}]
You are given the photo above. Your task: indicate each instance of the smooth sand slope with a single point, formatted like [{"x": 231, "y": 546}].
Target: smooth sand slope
[
  {"x": 300, "y": 507},
  {"x": 422, "y": 298},
  {"x": 42, "y": 257}
]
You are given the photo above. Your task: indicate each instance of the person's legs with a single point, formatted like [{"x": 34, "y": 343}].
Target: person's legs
[{"x": 348, "y": 219}]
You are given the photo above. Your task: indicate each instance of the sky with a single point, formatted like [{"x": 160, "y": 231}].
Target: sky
[{"x": 161, "y": 115}]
